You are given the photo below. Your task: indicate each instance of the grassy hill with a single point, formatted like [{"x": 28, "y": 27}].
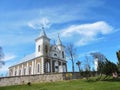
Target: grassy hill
[{"x": 69, "y": 85}]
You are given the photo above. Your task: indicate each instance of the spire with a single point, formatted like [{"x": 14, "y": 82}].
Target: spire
[
  {"x": 43, "y": 32},
  {"x": 58, "y": 41}
]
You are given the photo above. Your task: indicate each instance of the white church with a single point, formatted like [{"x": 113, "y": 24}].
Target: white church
[{"x": 47, "y": 58}]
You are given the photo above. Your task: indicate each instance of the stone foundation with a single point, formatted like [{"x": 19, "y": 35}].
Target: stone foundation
[{"x": 18, "y": 80}]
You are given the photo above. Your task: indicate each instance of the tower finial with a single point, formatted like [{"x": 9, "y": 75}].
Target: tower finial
[
  {"x": 58, "y": 36},
  {"x": 42, "y": 26},
  {"x": 42, "y": 30},
  {"x": 58, "y": 41}
]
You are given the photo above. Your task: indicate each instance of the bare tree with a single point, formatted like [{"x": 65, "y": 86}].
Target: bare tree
[
  {"x": 78, "y": 63},
  {"x": 1, "y": 57},
  {"x": 71, "y": 52},
  {"x": 87, "y": 64},
  {"x": 87, "y": 67}
]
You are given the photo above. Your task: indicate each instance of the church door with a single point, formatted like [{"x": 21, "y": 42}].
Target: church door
[{"x": 47, "y": 67}]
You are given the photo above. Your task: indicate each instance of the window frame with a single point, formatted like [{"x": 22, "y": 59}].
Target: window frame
[
  {"x": 63, "y": 55},
  {"x": 38, "y": 48},
  {"x": 38, "y": 68}
]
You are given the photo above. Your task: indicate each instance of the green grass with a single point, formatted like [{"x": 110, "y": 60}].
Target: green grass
[{"x": 69, "y": 85}]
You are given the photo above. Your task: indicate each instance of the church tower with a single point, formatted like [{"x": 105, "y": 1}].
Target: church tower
[
  {"x": 42, "y": 44},
  {"x": 61, "y": 48}
]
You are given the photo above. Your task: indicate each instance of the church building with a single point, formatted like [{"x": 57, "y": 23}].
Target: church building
[{"x": 46, "y": 59}]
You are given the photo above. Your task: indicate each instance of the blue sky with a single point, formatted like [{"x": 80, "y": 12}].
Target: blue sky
[{"x": 92, "y": 25}]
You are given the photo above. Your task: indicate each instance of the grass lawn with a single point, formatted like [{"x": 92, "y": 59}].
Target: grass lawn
[{"x": 81, "y": 84}]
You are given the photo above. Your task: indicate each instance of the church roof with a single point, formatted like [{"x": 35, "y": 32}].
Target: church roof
[
  {"x": 43, "y": 33},
  {"x": 26, "y": 58}
]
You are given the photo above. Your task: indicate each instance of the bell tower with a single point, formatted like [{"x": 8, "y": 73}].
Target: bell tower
[{"x": 42, "y": 44}]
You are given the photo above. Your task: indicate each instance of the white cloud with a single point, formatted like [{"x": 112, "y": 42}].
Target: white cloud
[
  {"x": 4, "y": 68},
  {"x": 31, "y": 25},
  {"x": 88, "y": 32},
  {"x": 9, "y": 57},
  {"x": 61, "y": 14},
  {"x": 38, "y": 23},
  {"x": 17, "y": 19},
  {"x": 18, "y": 39}
]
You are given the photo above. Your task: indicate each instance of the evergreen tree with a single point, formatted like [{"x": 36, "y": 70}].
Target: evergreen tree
[{"x": 107, "y": 68}]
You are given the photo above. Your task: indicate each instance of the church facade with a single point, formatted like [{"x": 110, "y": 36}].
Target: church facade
[{"x": 46, "y": 59}]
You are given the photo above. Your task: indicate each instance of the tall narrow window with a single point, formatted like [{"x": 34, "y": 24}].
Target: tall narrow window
[
  {"x": 63, "y": 54},
  {"x": 24, "y": 71},
  {"x": 20, "y": 72},
  {"x": 46, "y": 48},
  {"x": 38, "y": 68},
  {"x": 29, "y": 70},
  {"x": 39, "y": 48},
  {"x": 47, "y": 67},
  {"x": 11, "y": 72},
  {"x": 15, "y": 73}
]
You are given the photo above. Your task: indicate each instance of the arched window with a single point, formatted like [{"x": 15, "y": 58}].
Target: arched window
[
  {"x": 39, "y": 48},
  {"x": 15, "y": 73},
  {"x": 38, "y": 66},
  {"x": 46, "y": 48},
  {"x": 24, "y": 71},
  {"x": 55, "y": 54},
  {"x": 63, "y": 54},
  {"x": 20, "y": 72},
  {"x": 11, "y": 72},
  {"x": 29, "y": 70}
]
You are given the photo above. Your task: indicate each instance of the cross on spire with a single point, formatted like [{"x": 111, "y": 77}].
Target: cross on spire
[
  {"x": 42, "y": 31},
  {"x": 43, "y": 26}
]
